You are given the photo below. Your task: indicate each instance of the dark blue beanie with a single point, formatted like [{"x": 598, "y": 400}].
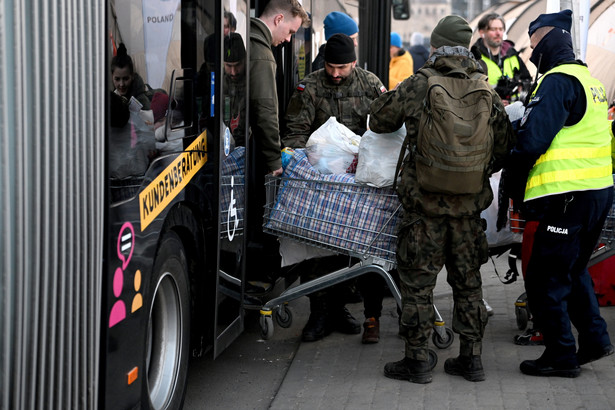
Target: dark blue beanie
[{"x": 562, "y": 20}]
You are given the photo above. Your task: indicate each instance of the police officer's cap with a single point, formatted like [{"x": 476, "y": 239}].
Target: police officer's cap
[{"x": 562, "y": 19}]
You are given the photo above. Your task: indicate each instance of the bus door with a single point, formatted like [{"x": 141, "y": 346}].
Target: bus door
[
  {"x": 229, "y": 96},
  {"x": 176, "y": 163}
]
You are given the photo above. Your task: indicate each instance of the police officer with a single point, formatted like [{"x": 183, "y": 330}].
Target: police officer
[
  {"x": 344, "y": 91},
  {"x": 561, "y": 172},
  {"x": 504, "y": 66},
  {"x": 440, "y": 229}
]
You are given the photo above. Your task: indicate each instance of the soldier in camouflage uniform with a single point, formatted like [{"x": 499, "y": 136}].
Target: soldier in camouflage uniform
[
  {"x": 439, "y": 229},
  {"x": 345, "y": 92},
  {"x": 327, "y": 93}
]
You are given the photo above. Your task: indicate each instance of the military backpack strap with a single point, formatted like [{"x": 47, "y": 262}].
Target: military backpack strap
[{"x": 427, "y": 72}]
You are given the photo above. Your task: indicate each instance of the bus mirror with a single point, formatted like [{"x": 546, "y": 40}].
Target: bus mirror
[{"x": 401, "y": 9}]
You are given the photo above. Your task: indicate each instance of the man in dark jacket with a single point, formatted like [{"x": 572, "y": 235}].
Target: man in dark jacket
[
  {"x": 505, "y": 68},
  {"x": 418, "y": 51},
  {"x": 560, "y": 175},
  {"x": 440, "y": 229},
  {"x": 278, "y": 22}
]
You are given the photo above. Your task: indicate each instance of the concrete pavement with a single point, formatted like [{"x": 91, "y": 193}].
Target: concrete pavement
[{"x": 339, "y": 372}]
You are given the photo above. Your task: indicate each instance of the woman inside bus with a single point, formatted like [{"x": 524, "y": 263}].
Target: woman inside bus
[{"x": 126, "y": 81}]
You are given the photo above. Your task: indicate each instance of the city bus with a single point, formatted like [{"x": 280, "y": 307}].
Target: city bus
[{"x": 124, "y": 223}]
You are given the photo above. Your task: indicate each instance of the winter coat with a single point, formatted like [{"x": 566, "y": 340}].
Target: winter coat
[
  {"x": 400, "y": 68},
  {"x": 264, "y": 120}
]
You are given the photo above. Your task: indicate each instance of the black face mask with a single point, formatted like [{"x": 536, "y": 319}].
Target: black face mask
[
  {"x": 554, "y": 48},
  {"x": 536, "y": 57}
]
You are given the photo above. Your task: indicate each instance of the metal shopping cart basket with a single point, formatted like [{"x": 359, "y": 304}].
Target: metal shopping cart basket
[{"x": 334, "y": 213}]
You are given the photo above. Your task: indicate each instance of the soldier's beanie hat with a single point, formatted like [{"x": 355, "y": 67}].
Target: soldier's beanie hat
[
  {"x": 451, "y": 31},
  {"x": 338, "y": 22},
  {"x": 339, "y": 49},
  {"x": 395, "y": 40},
  {"x": 562, "y": 20},
  {"x": 234, "y": 50}
]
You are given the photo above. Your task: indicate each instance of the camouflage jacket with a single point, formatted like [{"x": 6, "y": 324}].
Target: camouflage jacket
[
  {"x": 405, "y": 105},
  {"x": 316, "y": 99}
]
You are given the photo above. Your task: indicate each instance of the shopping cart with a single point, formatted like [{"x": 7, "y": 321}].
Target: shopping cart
[{"x": 334, "y": 213}]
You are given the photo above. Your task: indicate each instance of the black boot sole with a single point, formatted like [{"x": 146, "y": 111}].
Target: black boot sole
[
  {"x": 527, "y": 367},
  {"x": 421, "y": 378},
  {"x": 475, "y": 376}
]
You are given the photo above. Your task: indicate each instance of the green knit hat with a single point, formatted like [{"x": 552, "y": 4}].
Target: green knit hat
[{"x": 451, "y": 31}]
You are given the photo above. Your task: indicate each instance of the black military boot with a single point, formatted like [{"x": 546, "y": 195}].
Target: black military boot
[
  {"x": 316, "y": 327},
  {"x": 470, "y": 367},
  {"x": 416, "y": 371}
]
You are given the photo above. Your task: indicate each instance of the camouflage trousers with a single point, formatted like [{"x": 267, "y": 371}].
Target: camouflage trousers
[{"x": 424, "y": 246}]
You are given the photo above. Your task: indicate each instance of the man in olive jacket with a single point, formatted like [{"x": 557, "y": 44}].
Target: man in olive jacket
[{"x": 278, "y": 22}]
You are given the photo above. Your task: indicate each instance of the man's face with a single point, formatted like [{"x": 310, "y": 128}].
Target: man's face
[
  {"x": 355, "y": 39},
  {"x": 284, "y": 28},
  {"x": 235, "y": 70},
  {"x": 494, "y": 34},
  {"x": 339, "y": 72}
]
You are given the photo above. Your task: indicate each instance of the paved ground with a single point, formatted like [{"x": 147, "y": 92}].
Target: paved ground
[{"x": 341, "y": 373}]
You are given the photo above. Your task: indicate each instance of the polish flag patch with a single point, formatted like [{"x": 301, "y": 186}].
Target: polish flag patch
[
  {"x": 301, "y": 87},
  {"x": 382, "y": 89}
]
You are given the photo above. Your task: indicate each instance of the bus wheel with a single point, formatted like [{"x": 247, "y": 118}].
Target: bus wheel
[{"x": 168, "y": 327}]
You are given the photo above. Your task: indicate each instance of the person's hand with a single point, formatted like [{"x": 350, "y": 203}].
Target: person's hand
[{"x": 277, "y": 172}]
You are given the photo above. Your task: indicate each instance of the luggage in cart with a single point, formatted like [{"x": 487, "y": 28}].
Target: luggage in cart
[{"x": 333, "y": 212}]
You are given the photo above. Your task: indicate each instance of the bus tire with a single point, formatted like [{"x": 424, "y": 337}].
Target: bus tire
[{"x": 168, "y": 328}]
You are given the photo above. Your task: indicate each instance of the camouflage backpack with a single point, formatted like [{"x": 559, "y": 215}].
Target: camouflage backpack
[{"x": 455, "y": 140}]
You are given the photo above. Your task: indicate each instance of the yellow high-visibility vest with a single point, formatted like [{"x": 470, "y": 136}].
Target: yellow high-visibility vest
[
  {"x": 508, "y": 68},
  {"x": 579, "y": 157}
]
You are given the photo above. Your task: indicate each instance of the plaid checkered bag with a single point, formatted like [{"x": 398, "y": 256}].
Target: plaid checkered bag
[
  {"x": 333, "y": 211},
  {"x": 232, "y": 171}
]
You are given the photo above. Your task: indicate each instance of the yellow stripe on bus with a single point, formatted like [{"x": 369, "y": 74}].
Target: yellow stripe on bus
[{"x": 162, "y": 190}]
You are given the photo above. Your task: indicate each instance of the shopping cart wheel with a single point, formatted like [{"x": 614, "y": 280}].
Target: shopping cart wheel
[
  {"x": 522, "y": 317},
  {"x": 284, "y": 316},
  {"x": 433, "y": 358},
  {"x": 266, "y": 327},
  {"x": 522, "y": 312},
  {"x": 443, "y": 341}
]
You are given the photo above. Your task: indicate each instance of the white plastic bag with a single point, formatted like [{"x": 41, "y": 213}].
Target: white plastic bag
[
  {"x": 515, "y": 111},
  {"x": 378, "y": 156},
  {"x": 293, "y": 252},
  {"x": 332, "y": 148}
]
